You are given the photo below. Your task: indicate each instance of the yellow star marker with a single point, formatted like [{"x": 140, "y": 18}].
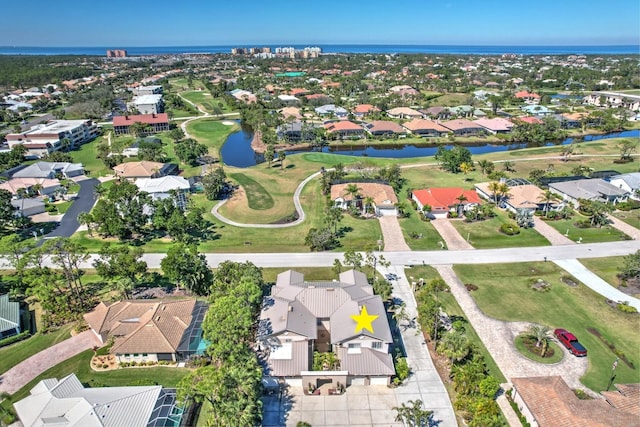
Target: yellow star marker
[{"x": 364, "y": 320}]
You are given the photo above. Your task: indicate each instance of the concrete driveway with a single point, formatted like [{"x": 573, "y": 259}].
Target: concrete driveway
[
  {"x": 453, "y": 239},
  {"x": 392, "y": 234},
  {"x": 84, "y": 201}
]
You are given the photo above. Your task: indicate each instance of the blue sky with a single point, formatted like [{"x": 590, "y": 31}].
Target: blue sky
[{"x": 210, "y": 22}]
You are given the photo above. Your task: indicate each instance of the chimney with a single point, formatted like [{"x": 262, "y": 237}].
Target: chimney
[
  {"x": 153, "y": 115},
  {"x": 290, "y": 309},
  {"x": 126, "y": 117}
]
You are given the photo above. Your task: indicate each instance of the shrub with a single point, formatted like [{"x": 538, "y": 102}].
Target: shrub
[
  {"x": 583, "y": 223},
  {"x": 489, "y": 387},
  {"x": 509, "y": 229},
  {"x": 402, "y": 369},
  {"x": 470, "y": 287},
  {"x": 453, "y": 214},
  {"x": 21, "y": 336},
  {"x": 626, "y": 308}
]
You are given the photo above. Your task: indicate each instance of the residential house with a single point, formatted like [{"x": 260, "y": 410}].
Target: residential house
[
  {"x": 495, "y": 125},
  {"x": 425, "y": 128},
  {"x": 161, "y": 188},
  {"x": 67, "y": 403},
  {"x": 42, "y": 139},
  {"x": 244, "y": 96},
  {"x": 50, "y": 170},
  {"x": 384, "y": 128},
  {"x": 150, "y": 330},
  {"x": 288, "y": 99},
  {"x": 549, "y": 402},
  {"x": 157, "y": 123},
  {"x": 9, "y": 317},
  {"x": 536, "y": 110},
  {"x": 297, "y": 131},
  {"x": 291, "y": 112},
  {"x": 442, "y": 201},
  {"x": 384, "y": 198},
  {"x": 629, "y": 182},
  {"x": 614, "y": 99},
  {"x": 462, "y": 111},
  {"x": 404, "y": 91},
  {"x": 530, "y": 120},
  {"x": 32, "y": 186},
  {"x": 147, "y": 90},
  {"x": 438, "y": 113},
  {"x": 28, "y": 207},
  {"x": 404, "y": 113},
  {"x": 363, "y": 110},
  {"x": 147, "y": 104},
  {"x": 343, "y": 317},
  {"x": 589, "y": 189},
  {"x": 521, "y": 198},
  {"x": 344, "y": 129},
  {"x": 331, "y": 109},
  {"x": 144, "y": 169},
  {"x": 463, "y": 127},
  {"x": 528, "y": 97}
]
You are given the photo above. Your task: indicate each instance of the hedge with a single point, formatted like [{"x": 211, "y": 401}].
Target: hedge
[{"x": 21, "y": 336}]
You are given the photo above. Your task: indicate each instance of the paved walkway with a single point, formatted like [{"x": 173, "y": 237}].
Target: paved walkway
[
  {"x": 424, "y": 383},
  {"x": 627, "y": 229},
  {"x": 498, "y": 336},
  {"x": 21, "y": 374},
  {"x": 580, "y": 272},
  {"x": 392, "y": 234},
  {"x": 551, "y": 234},
  {"x": 453, "y": 239}
]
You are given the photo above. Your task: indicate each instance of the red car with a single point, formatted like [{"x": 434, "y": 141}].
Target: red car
[{"x": 570, "y": 341}]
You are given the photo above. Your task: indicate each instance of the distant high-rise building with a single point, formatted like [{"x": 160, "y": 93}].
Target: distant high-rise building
[{"x": 116, "y": 53}]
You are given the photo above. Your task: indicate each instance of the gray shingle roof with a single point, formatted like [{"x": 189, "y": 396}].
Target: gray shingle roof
[{"x": 590, "y": 189}]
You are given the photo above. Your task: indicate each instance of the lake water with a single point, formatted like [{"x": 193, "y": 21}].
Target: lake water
[{"x": 237, "y": 150}]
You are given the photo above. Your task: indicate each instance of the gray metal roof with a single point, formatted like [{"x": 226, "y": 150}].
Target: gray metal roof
[
  {"x": 632, "y": 179},
  {"x": 346, "y": 325},
  {"x": 68, "y": 403},
  {"x": 47, "y": 169},
  {"x": 299, "y": 362},
  {"x": 590, "y": 189},
  {"x": 9, "y": 313},
  {"x": 367, "y": 362}
]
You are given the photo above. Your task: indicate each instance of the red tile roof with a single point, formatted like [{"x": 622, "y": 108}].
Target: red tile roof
[
  {"x": 141, "y": 118},
  {"x": 529, "y": 119},
  {"x": 444, "y": 198},
  {"x": 421, "y": 124},
  {"x": 342, "y": 126},
  {"x": 527, "y": 94},
  {"x": 365, "y": 108}
]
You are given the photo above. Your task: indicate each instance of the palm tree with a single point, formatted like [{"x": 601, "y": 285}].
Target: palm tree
[
  {"x": 547, "y": 197},
  {"x": 485, "y": 166},
  {"x": 466, "y": 168},
  {"x": 494, "y": 187},
  {"x": 542, "y": 335},
  {"x": 454, "y": 345},
  {"x": 412, "y": 414},
  {"x": 369, "y": 204},
  {"x": 354, "y": 191},
  {"x": 461, "y": 199},
  {"x": 508, "y": 166}
]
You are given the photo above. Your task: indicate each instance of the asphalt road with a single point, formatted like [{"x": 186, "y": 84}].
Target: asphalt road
[{"x": 83, "y": 203}]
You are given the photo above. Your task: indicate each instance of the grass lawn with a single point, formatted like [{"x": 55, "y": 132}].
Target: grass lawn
[
  {"x": 201, "y": 98},
  {"x": 257, "y": 196},
  {"x": 11, "y": 355},
  {"x": 211, "y": 133},
  {"x": 588, "y": 235},
  {"x": 419, "y": 235},
  {"x": 63, "y": 206},
  {"x": 79, "y": 364},
  {"x": 486, "y": 234},
  {"x": 87, "y": 154},
  {"x": 504, "y": 293},
  {"x": 606, "y": 268},
  {"x": 631, "y": 217}
]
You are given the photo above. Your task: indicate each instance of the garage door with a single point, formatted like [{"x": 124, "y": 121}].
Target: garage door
[
  {"x": 378, "y": 380},
  {"x": 357, "y": 381},
  {"x": 388, "y": 212}
]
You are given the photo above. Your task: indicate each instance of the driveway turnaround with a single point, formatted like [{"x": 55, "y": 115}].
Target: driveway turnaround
[
  {"x": 498, "y": 336},
  {"x": 453, "y": 239},
  {"x": 21, "y": 374},
  {"x": 584, "y": 275},
  {"x": 84, "y": 201}
]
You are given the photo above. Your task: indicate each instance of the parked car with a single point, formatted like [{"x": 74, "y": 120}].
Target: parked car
[
  {"x": 391, "y": 276},
  {"x": 570, "y": 342}
]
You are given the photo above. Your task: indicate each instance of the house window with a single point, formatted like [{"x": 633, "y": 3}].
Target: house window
[
  {"x": 144, "y": 354},
  {"x": 354, "y": 348},
  {"x": 354, "y": 345},
  {"x": 135, "y": 355},
  {"x": 287, "y": 340},
  {"x": 125, "y": 355},
  {"x": 376, "y": 345}
]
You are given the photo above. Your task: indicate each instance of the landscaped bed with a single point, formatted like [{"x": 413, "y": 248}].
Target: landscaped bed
[
  {"x": 526, "y": 345},
  {"x": 504, "y": 292}
]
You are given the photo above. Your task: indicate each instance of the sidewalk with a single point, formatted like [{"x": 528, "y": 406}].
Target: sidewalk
[
  {"x": 424, "y": 383},
  {"x": 21, "y": 374},
  {"x": 453, "y": 239},
  {"x": 591, "y": 280}
]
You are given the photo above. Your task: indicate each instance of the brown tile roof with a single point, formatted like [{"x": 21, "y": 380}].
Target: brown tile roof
[
  {"x": 626, "y": 398},
  {"x": 143, "y": 326},
  {"x": 553, "y": 403},
  {"x": 385, "y": 126},
  {"x": 421, "y": 124},
  {"x": 141, "y": 118},
  {"x": 365, "y": 108},
  {"x": 342, "y": 125},
  {"x": 459, "y": 124},
  {"x": 138, "y": 169},
  {"x": 379, "y": 192}
]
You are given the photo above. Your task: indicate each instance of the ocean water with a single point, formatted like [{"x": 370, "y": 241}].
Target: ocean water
[{"x": 335, "y": 48}]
